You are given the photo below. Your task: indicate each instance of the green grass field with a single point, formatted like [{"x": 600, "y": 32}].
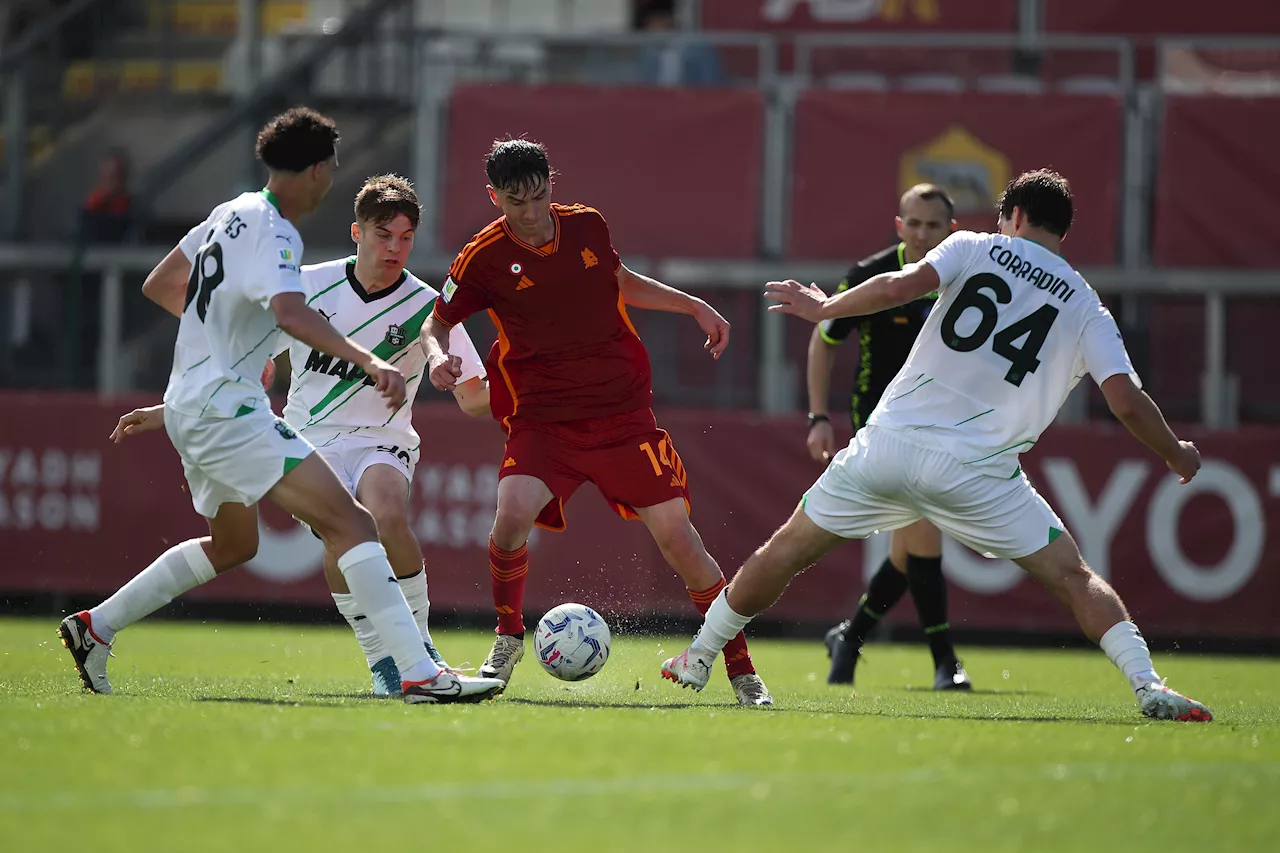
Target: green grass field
[{"x": 233, "y": 737}]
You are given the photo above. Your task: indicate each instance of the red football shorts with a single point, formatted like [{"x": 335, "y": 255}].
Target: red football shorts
[{"x": 627, "y": 456}]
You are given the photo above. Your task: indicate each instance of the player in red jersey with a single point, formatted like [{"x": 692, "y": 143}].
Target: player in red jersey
[{"x": 570, "y": 384}]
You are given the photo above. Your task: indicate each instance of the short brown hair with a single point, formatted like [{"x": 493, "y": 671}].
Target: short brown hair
[
  {"x": 930, "y": 192},
  {"x": 1044, "y": 196},
  {"x": 384, "y": 197}
]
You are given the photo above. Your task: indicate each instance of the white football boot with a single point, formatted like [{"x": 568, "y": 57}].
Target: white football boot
[
  {"x": 1162, "y": 703},
  {"x": 447, "y": 687},
  {"x": 89, "y": 653},
  {"x": 690, "y": 668}
]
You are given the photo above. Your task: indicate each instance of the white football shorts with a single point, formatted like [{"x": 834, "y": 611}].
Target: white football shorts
[
  {"x": 233, "y": 460},
  {"x": 883, "y": 481},
  {"x": 352, "y": 452}
]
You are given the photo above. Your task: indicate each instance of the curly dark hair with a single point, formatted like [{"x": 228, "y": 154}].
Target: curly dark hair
[
  {"x": 517, "y": 164},
  {"x": 1044, "y": 196},
  {"x": 384, "y": 197},
  {"x": 296, "y": 140}
]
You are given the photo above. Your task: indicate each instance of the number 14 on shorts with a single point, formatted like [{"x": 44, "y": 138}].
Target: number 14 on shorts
[{"x": 666, "y": 461}]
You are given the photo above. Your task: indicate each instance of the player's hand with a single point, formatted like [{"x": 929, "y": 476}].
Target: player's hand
[
  {"x": 445, "y": 370},
  {"x": 716, "y": 328},
  {"x": 822, "y": 441},
  {"x": 805, "y": 301},
  {"x": 1186, "y": 462},
  {"x": 390, "y": 382},
  {"x": 269, "y": 375},
  {"x": 139, "y": 420}
]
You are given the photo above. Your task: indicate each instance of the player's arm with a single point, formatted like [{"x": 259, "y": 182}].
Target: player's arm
[
  {"x": 1107, "y": 361},
  {"x": 166, "y": 285},
  {"x": 880, "y": 293},
  {"x": 473, "y": 396},
  {"x": 139, "y": 420},
  {"x": 826, "y": 337},
  {"x": 459, "y": 298},
  {"x": 1134, "y": 408},
  {"x": 470, "y": 388},
  {"x": 644, "y": 292},
  {"x": 306, "y": 325}
]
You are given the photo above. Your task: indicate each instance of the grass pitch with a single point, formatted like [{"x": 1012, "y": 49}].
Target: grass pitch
[{"x": 233, "y": 737}]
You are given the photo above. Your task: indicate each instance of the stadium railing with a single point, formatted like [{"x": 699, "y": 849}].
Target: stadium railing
[{"x": 776, "y": 376}]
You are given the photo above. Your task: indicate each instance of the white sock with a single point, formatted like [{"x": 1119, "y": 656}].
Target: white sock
[
  {"x": 370, "y": 643},
  {"x": 174, "y": 572},
  {"x": 720, "y": 626},
  {"x": 368, "y": 575},
  {"x": 1123, "y": 643},
  {"x": 414, "y": 588}
]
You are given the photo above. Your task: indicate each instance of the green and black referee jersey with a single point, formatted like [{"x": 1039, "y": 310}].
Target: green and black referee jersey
[{"x": 884, "y": 339}]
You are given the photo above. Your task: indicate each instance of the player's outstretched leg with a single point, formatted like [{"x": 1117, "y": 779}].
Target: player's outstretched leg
[
  {"x": 384, "y": 491},
  {"x": 1103, "y": 618},
  {"x": 685, "y": 552},
  {"x": 88, "y": 635},
  {"x": 520, "y": 499},
  {"x": 756, "y": 586},
  {"x": 312, "y": 492}
]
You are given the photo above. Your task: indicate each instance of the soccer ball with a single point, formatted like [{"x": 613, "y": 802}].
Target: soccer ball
[{"x": 572, "y": 642}]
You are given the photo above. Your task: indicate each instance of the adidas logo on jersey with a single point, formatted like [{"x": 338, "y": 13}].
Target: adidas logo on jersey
[
  {"x": 508, "y": 462},
  {"x": 525, "y": 281}
]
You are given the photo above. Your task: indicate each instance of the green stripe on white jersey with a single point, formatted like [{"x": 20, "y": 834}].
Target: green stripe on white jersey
[
  {"x": 327, "y": 393},
  {"x": 242, "y": 256}
]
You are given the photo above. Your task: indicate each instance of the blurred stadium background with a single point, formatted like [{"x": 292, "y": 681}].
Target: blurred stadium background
[{"x": 728, "y": 142}]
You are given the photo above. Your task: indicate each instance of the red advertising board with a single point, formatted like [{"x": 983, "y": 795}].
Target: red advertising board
[
  {"x": 856, "y": 152},
  {"x": 78, "y": 514},
  {"x": 1161, "y": 17},
  {"x": 649, "y": 159},
  {"x": 860, "y": 15},
  {"x": 1218, "y": 156}
]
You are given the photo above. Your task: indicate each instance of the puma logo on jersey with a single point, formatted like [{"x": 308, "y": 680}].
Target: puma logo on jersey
[
  {"x": 589, "y": 259},
  {"x": 525, "y": 282},
  {"x": 327, "y": 316}
]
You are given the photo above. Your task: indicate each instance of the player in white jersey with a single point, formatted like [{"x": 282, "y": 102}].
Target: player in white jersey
[
  {"x": 1014, "y": 329},
  {"x": 233, "y": 282},
  {"x": 381, "y": 306}
]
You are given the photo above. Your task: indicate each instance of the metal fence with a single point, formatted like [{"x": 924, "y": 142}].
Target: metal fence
[{"x": 125, "y": 362}]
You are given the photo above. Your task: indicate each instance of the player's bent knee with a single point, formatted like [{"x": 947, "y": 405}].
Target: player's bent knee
[
  {"x": 229, "y": 553},
  {"x": 390, "y": 519}
]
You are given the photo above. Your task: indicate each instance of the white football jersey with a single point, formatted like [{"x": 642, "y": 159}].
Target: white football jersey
[
  {"x": 1014, "y": 329},
  {"x": 241, "y": 256},
  {"x": 327, "y": 393}
]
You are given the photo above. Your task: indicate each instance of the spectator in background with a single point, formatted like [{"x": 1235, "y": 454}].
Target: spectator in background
[
  {"x": 107, "y": 214},
  {"x": 672, "y": 63}
]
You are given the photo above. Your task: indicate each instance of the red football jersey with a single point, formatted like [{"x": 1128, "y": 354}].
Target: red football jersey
[{"x": 566, "y": 349}]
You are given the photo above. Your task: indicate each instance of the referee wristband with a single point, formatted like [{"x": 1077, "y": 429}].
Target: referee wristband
[{"x": 815, "y": 418}]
